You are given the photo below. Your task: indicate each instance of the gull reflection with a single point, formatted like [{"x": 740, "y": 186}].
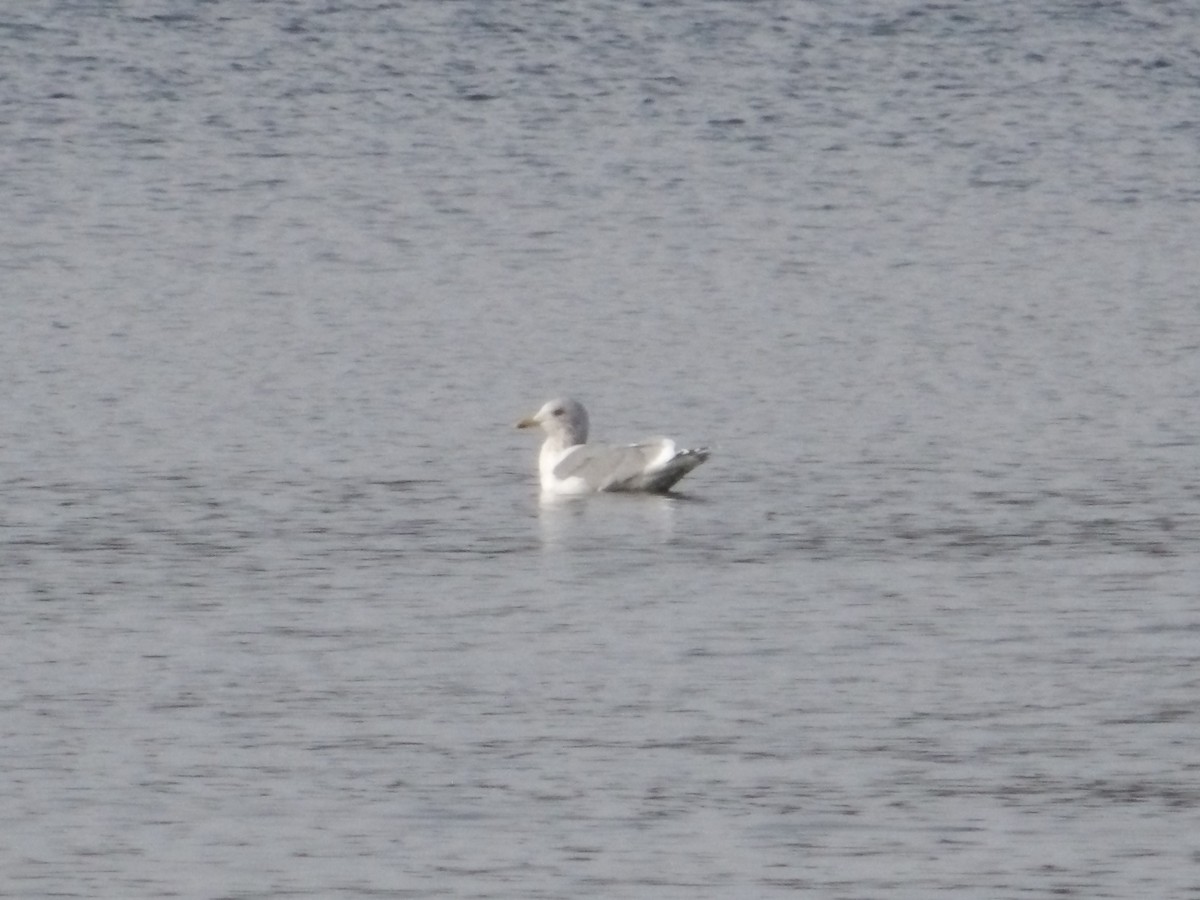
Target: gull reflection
[{"x": 600, "y": 521}]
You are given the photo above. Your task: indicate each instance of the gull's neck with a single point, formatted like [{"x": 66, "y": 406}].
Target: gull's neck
[
  {"x": 552, "y": 451},
  {"x": 555, "y": 444}
]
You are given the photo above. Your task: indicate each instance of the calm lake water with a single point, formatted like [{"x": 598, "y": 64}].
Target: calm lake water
[{"x": 282, "y": 615}]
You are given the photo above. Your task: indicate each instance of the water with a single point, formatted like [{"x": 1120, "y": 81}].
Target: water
[{"x": 282, "y": 614}]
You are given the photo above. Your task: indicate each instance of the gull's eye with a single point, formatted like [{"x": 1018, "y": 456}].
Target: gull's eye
[{"x": 557, "y": 412}]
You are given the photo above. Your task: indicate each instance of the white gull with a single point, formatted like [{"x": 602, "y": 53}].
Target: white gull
[{"x": 568, "y": 464}]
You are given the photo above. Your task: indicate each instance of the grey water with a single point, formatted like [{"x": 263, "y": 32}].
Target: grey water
[{"x": 281, "y": 614}]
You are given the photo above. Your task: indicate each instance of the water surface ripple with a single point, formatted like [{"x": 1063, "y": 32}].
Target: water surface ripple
[{"x": 282, "y": 615}]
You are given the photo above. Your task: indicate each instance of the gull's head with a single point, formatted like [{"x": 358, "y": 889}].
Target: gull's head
[{"x": 564, "y": 419}]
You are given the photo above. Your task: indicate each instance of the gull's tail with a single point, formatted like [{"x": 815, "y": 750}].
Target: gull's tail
[{"x": 663, "y": 477}]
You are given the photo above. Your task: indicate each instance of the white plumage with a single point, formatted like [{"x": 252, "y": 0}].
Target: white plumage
[{"x": 567, "y": 464}]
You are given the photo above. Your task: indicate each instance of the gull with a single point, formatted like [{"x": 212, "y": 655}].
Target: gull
[{"x": 567, "y": 464}]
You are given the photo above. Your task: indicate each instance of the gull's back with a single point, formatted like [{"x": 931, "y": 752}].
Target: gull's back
[{"x": 653, "y": 465}]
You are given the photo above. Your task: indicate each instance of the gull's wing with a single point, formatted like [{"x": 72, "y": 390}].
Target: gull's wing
[{"x": 652, "y": 465}]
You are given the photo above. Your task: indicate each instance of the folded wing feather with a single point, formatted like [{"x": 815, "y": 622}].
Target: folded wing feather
[{"x": 652, "y": 465}]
